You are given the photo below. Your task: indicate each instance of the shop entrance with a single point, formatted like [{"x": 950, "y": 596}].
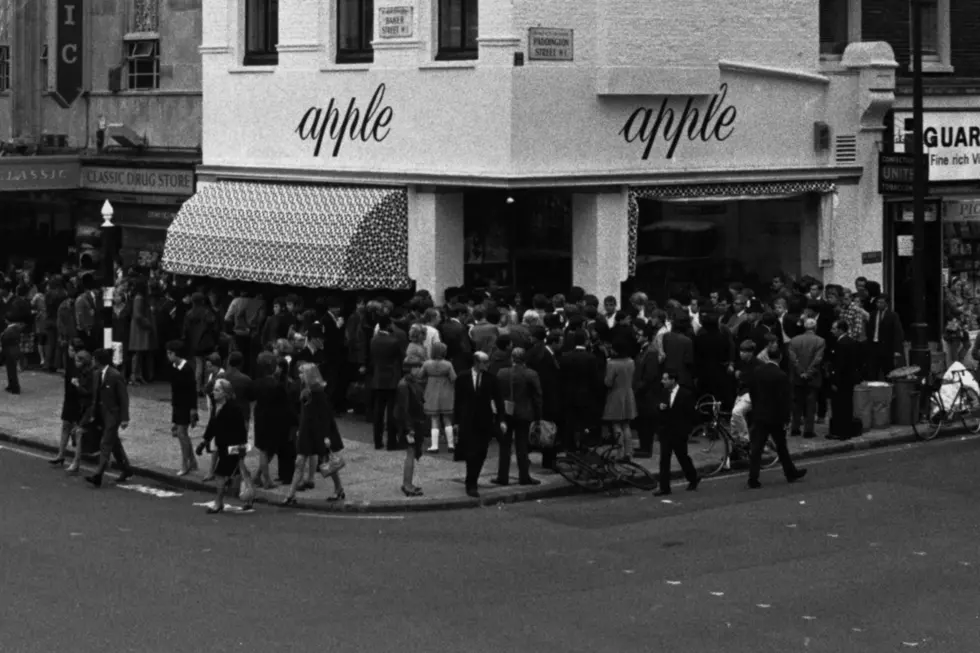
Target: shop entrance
[
  {"x": 522, "y": 241},
  {"x": 900, "y": 244}
]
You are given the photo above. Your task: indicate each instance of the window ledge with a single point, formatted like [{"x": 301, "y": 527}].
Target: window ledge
[
  {"x": 142, "y": 36},
  {"x": 346, "y": 68},
  {"x": 449, "y": 65},
  {"x": 933, "y": 67},
  {"x": 257, "y": 70}
]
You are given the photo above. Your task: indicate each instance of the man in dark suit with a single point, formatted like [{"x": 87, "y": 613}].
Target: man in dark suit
[
  {"x": 87, "y": 314},
  {"x": 386, "y": 371},
  {"x": 542, "y": 358},
  {"x": 845, "y": 374},
  {"x": 770, "y": 392},
  {"x": 678, "y": 352},
  {"x": 478, "y": 417},
  {"x": 110, "y": 413},
  {"x": 886, "y": 339},
  {"x": 454, "y": 335},
  {"x": 581, "y": 388},
  {"x": 335, "y": 353},
  {"x": 183, "y": 404},
  {"x": 676, "y": 423},
  {"x": 647, "y": 389},
  {"x": 241, "y": 384}
]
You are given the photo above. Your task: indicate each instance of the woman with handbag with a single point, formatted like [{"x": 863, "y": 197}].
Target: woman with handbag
[
  {"x": 78, "y": 363},
  {"x": 228, "y": 432},
  {"x": 316, "y": 425}
]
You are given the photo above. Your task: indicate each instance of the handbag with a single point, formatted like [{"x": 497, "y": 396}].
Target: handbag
[
  {"x": 543, "y": 434},
  {"x": 247, "y": 490},
  {"x": 509, "y": 403},
  {"x": 333, "y": 465}
]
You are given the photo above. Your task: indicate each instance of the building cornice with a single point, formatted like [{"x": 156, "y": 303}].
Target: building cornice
[{"x": 516, "y": 181}]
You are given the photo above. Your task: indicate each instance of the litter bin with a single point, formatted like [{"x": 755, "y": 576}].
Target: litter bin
[
  {"x": 881, "y": 404},
  {"x": 862, "y": 405},
  {"x": 905, "y": 408}
]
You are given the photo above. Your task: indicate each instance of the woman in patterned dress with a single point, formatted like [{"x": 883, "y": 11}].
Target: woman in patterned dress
[{"x": 440, "y": 392}]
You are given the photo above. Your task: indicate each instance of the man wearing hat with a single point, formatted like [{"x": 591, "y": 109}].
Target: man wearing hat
[
  {"x": 747, "y": 364},
  {"x": 752, "y": 328}
]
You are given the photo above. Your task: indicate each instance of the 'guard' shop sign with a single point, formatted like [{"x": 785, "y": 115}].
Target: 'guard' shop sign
[{"x": 951, "y": 141}]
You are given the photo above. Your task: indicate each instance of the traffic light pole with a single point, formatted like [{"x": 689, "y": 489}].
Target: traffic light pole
[{"x": 919, "y": 354}]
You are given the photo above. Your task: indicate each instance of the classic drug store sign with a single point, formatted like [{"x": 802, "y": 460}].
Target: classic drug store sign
[{"x": 951, "y": 140}]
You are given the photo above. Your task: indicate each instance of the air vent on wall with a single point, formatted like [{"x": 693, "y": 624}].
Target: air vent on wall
[{"x": 845, "y": 149}]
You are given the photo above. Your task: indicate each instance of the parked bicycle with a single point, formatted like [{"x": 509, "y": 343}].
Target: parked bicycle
[
  {"x": 599, "y": 467},
  {"x": 963, "y": 407},
  {"x": 715, "y": 438}
]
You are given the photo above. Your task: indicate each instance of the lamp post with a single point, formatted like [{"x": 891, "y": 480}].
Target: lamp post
[
  {"x": 108, "y": 275},
  {"x": 919, "y": 353}
]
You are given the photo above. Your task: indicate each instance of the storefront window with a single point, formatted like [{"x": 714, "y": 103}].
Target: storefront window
[
  {"x": 700, "y": 247},
  {"x": 961, "y": 262},
  {"x": 525, "y": 243}
]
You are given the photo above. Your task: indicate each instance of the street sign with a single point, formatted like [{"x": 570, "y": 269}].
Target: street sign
[
  {"x": 69, "y": 68},
  {"x": 896, "y": 173}
]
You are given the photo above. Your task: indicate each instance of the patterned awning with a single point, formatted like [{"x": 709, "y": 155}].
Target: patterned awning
[{"x": 313, "y": 236}]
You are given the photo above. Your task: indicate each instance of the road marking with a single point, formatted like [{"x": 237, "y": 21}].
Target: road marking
[
  {"x": 919, "y": 553},
  {"x": 229, "y": 508},
  {"x": 673, "y": 582},
  {"x": 717, "y": 594},
  {"x": 629, "y": 571},
  {"x": 764, "y": 606},
  {"x": 75, "y": 534},
  {"x": 833, "y": 535},
  {"x": 151, "y": 491},
  {"x": 809, "y": 618},
  {"x": 25, "y": 453},
  {"x": 320, "y": 515},
  {"x": 790, "y": 525}
]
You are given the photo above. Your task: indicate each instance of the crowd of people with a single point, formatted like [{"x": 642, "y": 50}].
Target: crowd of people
[{"x": 468, "y": 368}]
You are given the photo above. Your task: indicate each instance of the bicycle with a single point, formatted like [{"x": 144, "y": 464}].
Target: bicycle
[
  {"x": 963, "y": 407},
  {"x": 597, "y": 468},
  {"x": 716, "y": 435}
]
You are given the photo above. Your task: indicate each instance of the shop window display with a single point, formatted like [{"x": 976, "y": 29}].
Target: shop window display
[{"x": 961, "y": 271}]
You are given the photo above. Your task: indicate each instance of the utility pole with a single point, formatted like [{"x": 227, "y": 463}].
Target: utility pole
[{"x": 919, "y": 354}]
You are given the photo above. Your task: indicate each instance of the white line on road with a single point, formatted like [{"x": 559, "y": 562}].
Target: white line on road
[
  {"x": 321, "y": 515},
  {"x": 152, "y": 491},
  {"x": 25, "y": 453}
]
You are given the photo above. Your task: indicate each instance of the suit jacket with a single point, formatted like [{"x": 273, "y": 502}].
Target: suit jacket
[
  {"x": 522, "y": 386},
  {"x": 241, "y": 383},
  {"x": 890, "y": 332},
  {"x": 477, "y": 412},
  {"x": 334, "y": 348},
  {"x": 846, "y": 362},
  {"x": 183, "y": 394},
  {"x": 274, "y": 414},
  {"x": 459, "y": 349},
  {"x": 771, "y": 394},
  {"x": 806, "y": 355},
  {"x": 386, "y": 361},
  {"x": 647, "y": 381},
  {"x": 582, "y": 388},
  {"x": 110, "y": 406},
  {"x": 548, "y": 367},
  {"x": 677, "y": 421},
  {"x": 679, "y": 357}
]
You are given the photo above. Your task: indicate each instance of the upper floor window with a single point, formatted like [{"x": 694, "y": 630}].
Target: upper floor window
[
  {"x": 261, "y": 32},
  {"x": 930, "y": 27},
  {"x": 4, "y": 68},
  {"x": 834, "y": 26},
  {"x": 458, "y": 29},
  {"x": 143, "y": 65},
  {"x": 936, "y": 55},
  {"x": 355, "y": 31},
  {"x": 146, "y": 15}
]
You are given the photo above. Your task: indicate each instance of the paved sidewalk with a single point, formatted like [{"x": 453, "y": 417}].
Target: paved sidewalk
[{"x": 372, "y": 479}]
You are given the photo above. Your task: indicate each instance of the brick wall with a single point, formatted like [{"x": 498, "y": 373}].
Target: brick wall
[{"x": 888, "y": 20}]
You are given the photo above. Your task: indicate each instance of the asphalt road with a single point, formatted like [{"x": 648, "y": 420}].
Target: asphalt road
[{"x": 873, "y": 552}]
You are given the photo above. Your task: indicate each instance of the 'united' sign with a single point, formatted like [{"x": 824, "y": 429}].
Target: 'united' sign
[{"x": 68, "y": 84}]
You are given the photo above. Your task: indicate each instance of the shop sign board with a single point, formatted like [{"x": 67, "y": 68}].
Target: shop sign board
[
  {"x": 869, "y": 258},
  {"x": 905, "y": 245},
  {"x": 550, "y": 44},
  {"x": 396, "y": 22},
  {"x": 18, "y": 173},
  {"x": 962, "y": 210},
  {"x": 139, "y": 180},
  {"x": 69, "y": 75},
  {"x": 895, "y": 174},
  {"x": 951, "y": 141}
]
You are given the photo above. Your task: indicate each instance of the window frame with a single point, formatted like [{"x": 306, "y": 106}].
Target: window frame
[
  {"x": 364, "y": 53},
  {"x": 269, "y": 55},
  {"x": 853, "y": 30},
  {"x": 940, "y": 61},
  {"x": 142, "y": 50},
  {"x": 4, "y": 68},
  {"x": 456, "y": 52}
]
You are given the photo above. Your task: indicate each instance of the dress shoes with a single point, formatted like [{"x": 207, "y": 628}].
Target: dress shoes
[
  {"x": 95, "y": 480},
  {"x": 755, "y": 485},
  {"x": 693, "y": 485},
  {"x": 473, "y": 492},
  {"x": 530, "y": 481},
  {"x": 124, "y": 477},
  {"x": 797, "y": 475},
  {"x": 501, "y": 482},
  {"x": 661, "y": 493},
  {"x": 809, "y": 436}
]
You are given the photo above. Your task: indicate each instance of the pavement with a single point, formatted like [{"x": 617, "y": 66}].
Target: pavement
[
  {"x": 874, "y": 551},
  {"x": 372, "y": 479}
]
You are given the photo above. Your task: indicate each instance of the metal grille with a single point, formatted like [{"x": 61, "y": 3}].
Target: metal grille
[{"x": 846, "y": 149}]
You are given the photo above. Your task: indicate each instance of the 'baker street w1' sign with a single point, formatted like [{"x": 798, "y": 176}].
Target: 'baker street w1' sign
[{"x": 69, "y": 78}]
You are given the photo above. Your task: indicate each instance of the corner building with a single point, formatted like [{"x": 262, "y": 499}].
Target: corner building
[{"x": 610, "y": 144}]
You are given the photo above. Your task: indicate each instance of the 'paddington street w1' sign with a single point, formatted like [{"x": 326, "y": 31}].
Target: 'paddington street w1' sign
[{"x": 69, "y": 69}]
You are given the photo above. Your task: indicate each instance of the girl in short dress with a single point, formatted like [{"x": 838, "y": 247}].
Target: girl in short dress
[
  {"x": 440, "y": 393},
  {"x": 620, "y": 402}
]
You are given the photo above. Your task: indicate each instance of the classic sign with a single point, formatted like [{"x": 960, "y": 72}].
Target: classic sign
[
  {"x": 18, "y": 174},
  {"x": 68, "y": 54}
]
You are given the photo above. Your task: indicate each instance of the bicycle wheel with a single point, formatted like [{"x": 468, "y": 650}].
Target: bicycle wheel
[
  {"x": 579, "y": 474},
  {"x": 969, "y": 409},
  {"x": 709, "y": 445},
  {"x": 633, "y": 474},
  {"x": 935, "y": 419}
]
